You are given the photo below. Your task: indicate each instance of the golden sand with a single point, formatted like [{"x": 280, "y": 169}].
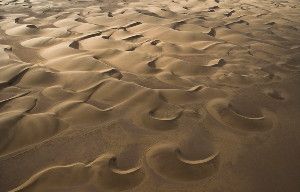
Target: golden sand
[{"x": 146, "y": 96}]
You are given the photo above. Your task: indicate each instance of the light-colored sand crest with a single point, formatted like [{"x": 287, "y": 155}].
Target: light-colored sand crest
[
  {"x": 169, "y": 162},
  {"x": 71, "y": 112},
  {"x": 147, "y": 113},
  {"x": 73, "y": 80},
  {"x": 101, "y": 175},
  {"x": 224, "y": 112},
  {"x": 31, "y": 129},
  {"x": 19, "y": 128},
  {"x": 152, "y": 112},
  {"x": 11, "y": 93},
  {"x": 59, "y": 50},
  {"x": 197, "y": 93},
  {"x": 40, "y": 42},
  {"x": 75, "y": 63},
  {"x": 23, "y": 30},
  {"x": 10, "y": 73}
]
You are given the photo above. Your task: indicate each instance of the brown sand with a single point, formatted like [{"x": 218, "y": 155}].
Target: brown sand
[{"x": 166, "y": 95}]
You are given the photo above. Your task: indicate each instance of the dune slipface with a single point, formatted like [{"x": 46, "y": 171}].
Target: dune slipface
[{"x": 146, "y": 96}]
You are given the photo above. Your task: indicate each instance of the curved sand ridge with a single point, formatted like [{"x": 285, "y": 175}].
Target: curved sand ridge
[
  {"x": 166, "y": 95},
  {"x": 23, "y": 30},
  {"x": 169, "y": 162},
  {"x": 258, "y": 120},
  {"x": 101, "y": 174},
  {"x": 37, "y": 128},
  {"x": 39, "y": 42}
]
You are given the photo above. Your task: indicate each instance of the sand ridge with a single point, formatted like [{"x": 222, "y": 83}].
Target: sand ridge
[{"x": 169, "y": 95}]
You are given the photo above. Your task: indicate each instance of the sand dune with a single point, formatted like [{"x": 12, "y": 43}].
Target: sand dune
[{"x": 169, "y": 95}]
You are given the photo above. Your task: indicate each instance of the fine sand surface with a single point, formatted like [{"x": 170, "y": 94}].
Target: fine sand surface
[{"x": 150, "y": 95}]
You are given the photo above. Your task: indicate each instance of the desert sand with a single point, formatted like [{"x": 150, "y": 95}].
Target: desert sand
[{"x": 150, "y": 96}]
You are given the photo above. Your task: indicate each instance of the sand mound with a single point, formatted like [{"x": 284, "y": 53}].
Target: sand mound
[{"x": 169, "y": 95}]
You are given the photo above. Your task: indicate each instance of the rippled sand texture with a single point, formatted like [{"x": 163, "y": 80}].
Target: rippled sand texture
[{"x": 146, "y": 96}]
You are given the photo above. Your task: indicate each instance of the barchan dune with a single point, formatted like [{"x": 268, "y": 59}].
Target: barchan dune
[{"x": 150, "y": 95}]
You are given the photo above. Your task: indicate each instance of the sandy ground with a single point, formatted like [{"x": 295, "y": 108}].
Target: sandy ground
[{"x": 146, "y": 96}]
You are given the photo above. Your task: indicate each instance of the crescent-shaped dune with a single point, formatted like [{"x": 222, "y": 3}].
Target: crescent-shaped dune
[{"x": 168, "y": 161}]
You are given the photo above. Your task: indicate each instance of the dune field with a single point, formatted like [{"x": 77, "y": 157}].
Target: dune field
[{"x": 150, "y": 95}]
